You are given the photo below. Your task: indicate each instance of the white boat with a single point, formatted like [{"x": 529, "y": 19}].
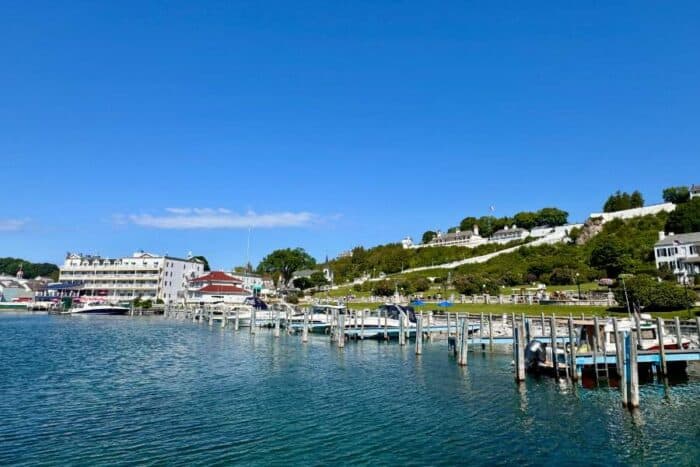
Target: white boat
[
  {"x": 649, "y": 339},
  {"x": 98, "y": 308}
]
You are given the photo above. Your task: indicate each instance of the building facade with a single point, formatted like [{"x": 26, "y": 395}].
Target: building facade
[
  {"x": 216, "y": 287},
  {"x": 680, "y": 254},
  {"x": 151, "y": 277},
  {"x": 509, "y": 234}
]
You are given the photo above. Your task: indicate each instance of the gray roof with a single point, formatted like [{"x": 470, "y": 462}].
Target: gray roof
[
  {"x": 504, "y": 232},
  {"x": 695, "y": 188},
  {"x": 453, "y": 236},
  {"x": 680, "y": 238}
]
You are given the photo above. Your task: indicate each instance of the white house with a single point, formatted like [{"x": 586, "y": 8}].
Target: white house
[
  {"x": 249, "y": 281},
  {"x": 506, "y": 234},
  {"x": 145, "y": 275},
  {"x": 694, "y": 191},
  {"x": 680, "y": 253},
  {"x": 466, "y": 238}
]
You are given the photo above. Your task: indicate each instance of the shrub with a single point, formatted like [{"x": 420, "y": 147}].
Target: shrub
[
  {"x": 650, "y": 294},
  {"x": 383, "y": 288}
]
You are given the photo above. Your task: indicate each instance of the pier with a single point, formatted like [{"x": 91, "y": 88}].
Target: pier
[{"x": 566, "y": 357}]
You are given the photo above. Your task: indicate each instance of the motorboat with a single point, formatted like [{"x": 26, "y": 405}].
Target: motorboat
[
  {"x": 648, "y": 337},
  {"x": 98, "y": 308}
]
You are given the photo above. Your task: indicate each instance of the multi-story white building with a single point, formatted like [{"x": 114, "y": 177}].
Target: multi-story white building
[
  {"x": 679, "y": 253},
  {"x": 142, "y": 275},
  {"x": 249, "y": 280}
]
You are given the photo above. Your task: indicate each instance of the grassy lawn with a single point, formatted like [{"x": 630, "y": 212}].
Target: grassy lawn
[{"x": 535, "y": 310}]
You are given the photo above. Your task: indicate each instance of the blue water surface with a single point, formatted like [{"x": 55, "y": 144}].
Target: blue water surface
[{"x": 88, "y": 390}]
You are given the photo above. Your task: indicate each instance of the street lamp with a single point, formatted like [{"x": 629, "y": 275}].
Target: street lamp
[{"x": 578, "y": 285}]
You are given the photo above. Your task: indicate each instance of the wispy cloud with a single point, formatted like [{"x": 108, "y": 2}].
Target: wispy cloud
[
  {"x": 218, "y": 218},
  {"x": 12, "y": 225}
]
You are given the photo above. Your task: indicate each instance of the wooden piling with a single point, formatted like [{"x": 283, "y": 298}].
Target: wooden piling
[
  {"x": 572, "y": 349},
  {"x": 341, "y": 330},
  {"x": 448, "y": 324},
  {"x": 305, "y": 329},
  {"x": 252, "y": 322},
  {"x": 386, "y": 325},
  {"x": 662, "y": 351},
  {"x": 402, "y": 336},
  {"x": 491, "y": 331},
  {"x": 362, "y": 324},
  {"x": 419, "y": 335},
  {"x": 618, "y": 347},
  {"x": 520, "y": 353},
  {"x": 553, "y": 334},
  {"x": 276, "y": 332},
  {"x": 462, "y": 359},
  {"x": 596, "y": 346},
  {"x": 679, "y": 336},
  {"x": 544, "y": 333},
  {"x": 236, "y": 319},
  {"x": 633, "y": 399},
  {"x": 623, "y": 366}
]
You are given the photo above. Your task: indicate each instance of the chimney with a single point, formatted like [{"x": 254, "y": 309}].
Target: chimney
[{"x": 662, "y": 235}]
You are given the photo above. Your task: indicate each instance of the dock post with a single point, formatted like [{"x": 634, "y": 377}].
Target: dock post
[
  {"x": 481, "y": 326},
  {"x": 662, "y": 351},
  {"x": 462, "y": 360},
  {"x": 224, "y": 318},
  {"x": 236, "y": 320},
  {"x": 633, "y": 398},
  {"x": 362, "y": 324},
  {"x": 679, "y": 336},
  {"x": 305, "y": 329},
  {"x": 252, "y": 322},
  {"x": 341, "y": 330},
  {"x": 618, "y": 348},
  {"x": 491, "y": 331},
  {"x": 448, "y": 324},
  {"x": 402, "y": 336},
  {"x": 419, "y": 335},
  {"x": 386, "y": 324},
  {"x": 596, "y": 347},
  {"x": 572, "y": 349},
  {"x": 555, "y": 359},
  {"x": 624, "y": 339},
  {"x": 277, "y": 324},
  {"x": 520, "y": 353},
  {"x": 544, "y": 333},
  {"x": 526, "y": 322},
  {"x": 430, "y": 325}
]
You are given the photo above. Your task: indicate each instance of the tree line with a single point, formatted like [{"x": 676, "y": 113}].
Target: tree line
[{"x": 10, "y": 266}]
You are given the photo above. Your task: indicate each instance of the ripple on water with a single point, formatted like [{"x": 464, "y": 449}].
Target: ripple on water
[{"x": 112, "y": 390}]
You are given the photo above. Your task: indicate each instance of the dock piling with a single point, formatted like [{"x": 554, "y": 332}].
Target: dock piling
[
  {"x": 305, "y": 329},
  {"x": 462, "y": 356},
  {"x": 341, "y": 330},
  {"x": 633, "y": 399},
  {"x": 662, "y": 351},
  {"x": 555, "y": 359},
  {"x": 419, "y": 335}
]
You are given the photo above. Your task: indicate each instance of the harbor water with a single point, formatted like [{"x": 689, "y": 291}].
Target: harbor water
[{"x": 90, "y": 390}]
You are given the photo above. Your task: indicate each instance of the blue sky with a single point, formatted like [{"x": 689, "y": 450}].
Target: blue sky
[{"x": 172, "y": 126}]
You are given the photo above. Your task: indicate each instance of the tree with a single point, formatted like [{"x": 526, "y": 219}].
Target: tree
[
  {"x": 526, "y": 220},
  {"x": 472, "y": 284},
  {"x": 421, "y": 284},
  {"x": 383, "y": 288},
  {"x": 636, "y": 200},
  {"x": 204, "y": 261},
  {"x": 685, "y": 218},
  {"x": 452, "y": 229},
  {"x": 468, "y": 223},
  {"x": 428, "y": 236},
  {"x": 650, "y": 294},
  {"x": 551, "y": 216},
  {"x": 302, "y": 283},
  {"x": 620, "y": 201},
  {"x": 286, "y": 262},
  {"x": 318, "y": 279},
  {"x": 676, "y": 194},
  {"x": 611, "y": 256}
]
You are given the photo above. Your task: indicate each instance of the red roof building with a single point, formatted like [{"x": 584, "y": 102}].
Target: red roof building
[{"x": 216, "y": 287}]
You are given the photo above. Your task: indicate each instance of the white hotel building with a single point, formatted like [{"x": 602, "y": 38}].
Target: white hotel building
[
  {"x": 142, "y": 275},
  {"x": 680, "y": 254}
]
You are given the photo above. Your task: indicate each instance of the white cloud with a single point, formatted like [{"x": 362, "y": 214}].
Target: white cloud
[
  {"x": 12, "y": 225},
  {"x": 220, "y": 218}
]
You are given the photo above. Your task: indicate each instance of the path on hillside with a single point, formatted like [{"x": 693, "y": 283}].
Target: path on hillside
[{"x": 546, "y": 240}]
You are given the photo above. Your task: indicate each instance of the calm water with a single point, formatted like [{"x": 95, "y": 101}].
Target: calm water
[{"x": 118, "y": 390}]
